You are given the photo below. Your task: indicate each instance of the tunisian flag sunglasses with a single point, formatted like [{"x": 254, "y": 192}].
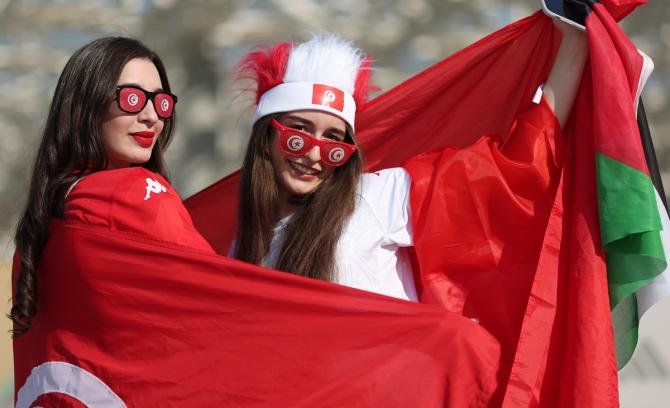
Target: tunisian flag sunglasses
[
  {"x": 295, "y": 142},
  {"x": 132, "y": 99}
]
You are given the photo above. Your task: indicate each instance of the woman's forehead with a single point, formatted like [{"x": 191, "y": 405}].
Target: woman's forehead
[{"x": 142, "y": 72}]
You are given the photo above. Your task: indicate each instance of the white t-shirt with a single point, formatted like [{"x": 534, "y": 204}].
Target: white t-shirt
[{"x": 369, "y": 254}]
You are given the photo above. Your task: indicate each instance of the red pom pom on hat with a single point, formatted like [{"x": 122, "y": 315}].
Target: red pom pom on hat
[
  {"x": 363, "y": 86},
  {"x": 266, "y": 66}
]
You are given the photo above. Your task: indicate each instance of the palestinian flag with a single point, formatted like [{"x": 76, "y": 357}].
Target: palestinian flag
[{"x": 633, "y": 216}]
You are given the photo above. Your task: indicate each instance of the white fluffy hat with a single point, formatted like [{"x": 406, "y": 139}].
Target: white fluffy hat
[{"x": 326, "y": 73}]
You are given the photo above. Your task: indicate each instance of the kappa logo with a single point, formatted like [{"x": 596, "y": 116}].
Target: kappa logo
[
  {"x": 153, "y": 186},
  {"x": 328, "y": 96}
]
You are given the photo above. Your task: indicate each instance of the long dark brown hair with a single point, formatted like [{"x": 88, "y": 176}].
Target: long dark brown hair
[
  {"x": 72, "y": 145},
  {"x": 312, "y": 234}
]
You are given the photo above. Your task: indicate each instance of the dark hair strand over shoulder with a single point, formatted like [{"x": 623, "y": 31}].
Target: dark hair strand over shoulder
[{"x": 71, "y": 146}]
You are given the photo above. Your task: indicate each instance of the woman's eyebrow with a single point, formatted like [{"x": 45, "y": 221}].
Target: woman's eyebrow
[
  {"x": 338, "y": 132},
  {"x": 159, "y": 89},
  {"x": 301, "y": 120}
]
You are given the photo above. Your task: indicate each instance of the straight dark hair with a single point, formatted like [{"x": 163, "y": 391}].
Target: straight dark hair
[
  {"x": 312, "y": 234},
  {"x": 72, "y": 145}
]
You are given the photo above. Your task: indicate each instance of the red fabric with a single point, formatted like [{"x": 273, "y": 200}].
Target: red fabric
[
  {"x": 614, "y": 54},
  {"x": 57, "y": 400},
  {"x": 513, "y": 239},
  {"x": 619, "y": 9},
  {"x": 480, "y": 255},
  {"x": 214, "y": 212},
  {"x": 160, "y": 324},
  {"x": 578, "y": 364},
  {"x": 480, "y": 90},
  {"x": 119, "y": 200},
  {"x": 524, "y": 256}
]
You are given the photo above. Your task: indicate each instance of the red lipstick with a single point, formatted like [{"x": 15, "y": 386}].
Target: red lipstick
[{"x": 144, "y": 138}]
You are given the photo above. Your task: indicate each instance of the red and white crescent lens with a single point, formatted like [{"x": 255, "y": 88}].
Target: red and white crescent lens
[
  {"x": 336, "y": 155},
  {"x": 132, "y": 100},
  {"x": 164, "y": 105},
  {"x": 295, "y": 143}
]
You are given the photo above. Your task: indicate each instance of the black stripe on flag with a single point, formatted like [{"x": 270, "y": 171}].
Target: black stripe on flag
[{"x": 650, "y": 153}]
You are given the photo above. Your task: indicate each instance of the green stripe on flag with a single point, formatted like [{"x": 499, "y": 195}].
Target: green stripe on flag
[
  {"x": 625, "y": 322},
  {"x": 630, "y": 228}
]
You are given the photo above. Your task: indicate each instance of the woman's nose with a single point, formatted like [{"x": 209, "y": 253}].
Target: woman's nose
[
  {"x": 148, "y": 114},
  {"x": 314, "y": 154}
]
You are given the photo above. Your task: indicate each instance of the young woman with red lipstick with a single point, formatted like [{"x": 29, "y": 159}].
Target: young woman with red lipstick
[
  {"x": 100, "y": 160},
  {"x": 305, "y": 205}
]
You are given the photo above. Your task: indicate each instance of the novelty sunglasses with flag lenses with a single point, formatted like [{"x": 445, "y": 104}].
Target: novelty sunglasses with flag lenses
[
  {"x": 132, "y": 99},
  {"x": 297, "y": 143}
]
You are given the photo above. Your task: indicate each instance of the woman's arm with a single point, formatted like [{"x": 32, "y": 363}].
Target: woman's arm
[{"x": 565, "y": 76}]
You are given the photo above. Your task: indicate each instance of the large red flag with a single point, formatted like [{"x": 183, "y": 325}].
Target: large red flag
[
  {"x": 135, "y": 309},
  {"x": 135, "y": 312},
  {"x": 506, "y": 231},
  {"x": 126, "y": 320}
]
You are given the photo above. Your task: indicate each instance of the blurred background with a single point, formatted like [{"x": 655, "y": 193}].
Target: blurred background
[{"x": 200, "y": 41}]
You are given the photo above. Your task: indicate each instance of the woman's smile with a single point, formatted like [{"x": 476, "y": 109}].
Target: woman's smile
[{"x": 302, "y": 170}]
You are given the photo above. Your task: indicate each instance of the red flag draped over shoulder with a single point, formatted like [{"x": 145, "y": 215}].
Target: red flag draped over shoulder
[
  {"x": 506, "y": 226},
  {"x": 158, "y": 325},
  {"x": 129, "y": 318}
]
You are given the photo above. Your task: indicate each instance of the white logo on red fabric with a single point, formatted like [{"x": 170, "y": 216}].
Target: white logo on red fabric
[
  {"x": 328, "y": 96},
  {"x": 153, "y": 186},
  {"x": 295, "y": 143}
]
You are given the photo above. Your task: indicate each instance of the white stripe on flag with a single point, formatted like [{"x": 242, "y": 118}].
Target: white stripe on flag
[
  {"x": 68, "y": 379},
  {"x": 659, "y": 288},
  {"x": 647, "y": 68}
]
